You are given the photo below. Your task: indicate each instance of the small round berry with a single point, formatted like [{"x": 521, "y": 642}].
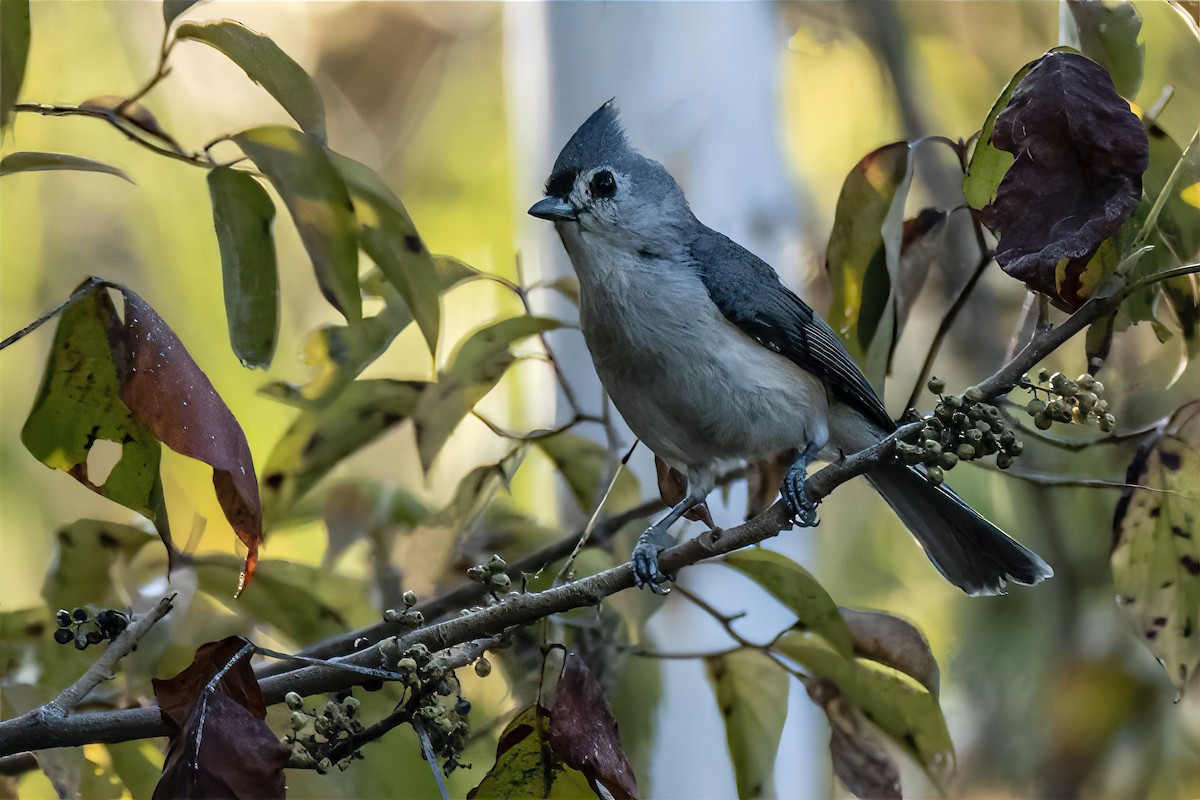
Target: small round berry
[
  {"x": 935, "y": 476},
  {"x": 294, "y": 701},
  {"x": 1043, "y": 375},
  {"x": 496, "y": 564},
  {"x": 299, "y": 720},
  {"x": 94, "y": 637},
  {"x": 462, "y": 707},
  {"x": 1035, "y": 407},
  {"x": 410, "y": 598},
  {"x": 350, "y": 705},
  {"x": 406, "y": 664},
  {"x": 477, "y": 573},
  {"x": 63, "y": 636},
  {"x": 1003, "y": 460},
  {"x": 444, "y": 688},
  {"x": 501, "y": 582},
  {"x": 64, "y": 618},
  {"x": 483, "y": 667},
  {"x": 966, "y": 452},
  {"x": 936, "y": 385},
  {"x": 1042, "y": 421},
  {"x": 81, "y": 641},
  {"x": 393, "y": 616},
  {"x": 948, "y": 461},
  {"x": 80, "y": 615}
]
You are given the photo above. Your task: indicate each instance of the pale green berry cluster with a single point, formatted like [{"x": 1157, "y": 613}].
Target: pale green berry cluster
[
  {"x": 407, "y": 616},
  {"x": 314, "y": 734},
  {"x": 1076, "y": 401},
  {"x": 962, "y": 428},
  {"x": 429, "y": 682},
  {"x": 492, "y": 574}
]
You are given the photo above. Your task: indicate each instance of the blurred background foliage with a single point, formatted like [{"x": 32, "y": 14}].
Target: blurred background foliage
[{"x": 1047, "y": 691}]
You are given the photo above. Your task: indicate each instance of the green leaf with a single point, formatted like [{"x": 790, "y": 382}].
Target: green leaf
[
  {"x": 1108, "y": 35},
  {"x": 242, "y": 214},
  {"x": 320, "y": 438},
  {"x": 87, "y": 551},
  {"x": 863, "y": 257},
  {"x": 388, "y": 236},
  {"x": 904, "y": 711},
  {"x": 340, "y": 353},
  {"x": 584, "y": 464},
  {"x": 751, "y": 693},
  {"x": 138, "y": 764},
  {"x": 173, "y": 8},
  {"x": 527, "y": 767},
  {"x": 302, "y": 602},
  {"x": 1156, "y": 555},
  {"x": 795, "y": 587},
  {"x": 316, "y": 196},
  {"x": 265, "y": 64},
  {"x": 79, "y": 403},
  {"x": 14, "y": 52},
  {"x": 988, "y": 163},
  {"x": 30, "y": 161},
  {"x": 474, "y": 370}
]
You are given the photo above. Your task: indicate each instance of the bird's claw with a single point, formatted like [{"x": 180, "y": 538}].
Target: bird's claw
[
  {"x": 801, "y": 509},
  {"x": 645, "y": 567}
]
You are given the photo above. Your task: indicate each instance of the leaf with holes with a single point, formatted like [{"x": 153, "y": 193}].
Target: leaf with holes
[
  {"x": 87, "y": 551},
  {"x": 902, "y": 709},
  {"x": 220, "y": 746},
  {"x": 386, "y": 233},
  {"x": 317, "y": 199},
  {"x": 474, "y": 370},
  {"x": 583, "y": 732},
  {"x": 1108, "y": 35},
  {"x": 1156, "y": 549},
  {"x": 795, "y": 587},
  {"x": 242, "y": 215},
  {"x": 14, "y": 52},
  {"x": 863, "y": 257},
  {"x": 266, "y": 64},
  {"x": 1080, "y": 154},
  {"x": 583, "y": 463},
  {"x": 318, "y": 439},
  {"x": 526, "y": 766},
  {"x": 168, "y": 393},
  {"x": 29, "y": 161},
  {"x": 751, "y": 693},
  {"x": 339, "y": 353},
  {"x": 79, "y": 404}
]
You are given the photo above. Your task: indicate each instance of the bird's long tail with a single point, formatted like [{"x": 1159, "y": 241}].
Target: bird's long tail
[{"x": 971, "y": 552}]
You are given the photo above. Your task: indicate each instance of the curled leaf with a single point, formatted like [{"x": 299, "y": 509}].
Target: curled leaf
[
  {"x": 1077, "y": 174},
  {"x": 893, "y": 642}
]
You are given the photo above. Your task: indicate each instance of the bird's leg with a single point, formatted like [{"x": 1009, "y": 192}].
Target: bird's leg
[
  {"x": 656, "y": 538},
  {"x": 802, "y": 510}
]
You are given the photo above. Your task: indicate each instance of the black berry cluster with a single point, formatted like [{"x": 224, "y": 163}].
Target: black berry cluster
[
  {"x": 314, "y": 735},
  {"x": 962, "y": 428},
  {"x": 1076, "y": 401},
  {"x": 445, "y": 722},
  {"x": 80, "y": 627}
]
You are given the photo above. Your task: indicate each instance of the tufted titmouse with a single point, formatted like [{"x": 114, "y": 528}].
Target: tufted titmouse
[{"x": 712, "y": 361}]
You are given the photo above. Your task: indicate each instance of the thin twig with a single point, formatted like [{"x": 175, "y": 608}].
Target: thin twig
[
  {"x": 569, "y": 562},
  {"x": 87, "y": 288}
]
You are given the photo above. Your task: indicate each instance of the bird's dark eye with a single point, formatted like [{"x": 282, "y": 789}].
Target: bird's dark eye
[{"x": 603, "y": 184}]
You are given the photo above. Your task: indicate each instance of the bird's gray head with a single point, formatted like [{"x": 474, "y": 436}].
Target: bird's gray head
[{"x": 608, "y": 194}]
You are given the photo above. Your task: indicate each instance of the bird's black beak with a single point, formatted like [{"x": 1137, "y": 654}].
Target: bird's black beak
[{"x": 553, "y": 209}]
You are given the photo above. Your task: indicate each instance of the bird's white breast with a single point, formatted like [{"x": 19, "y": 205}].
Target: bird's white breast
[{"x": 696, "y": 389}]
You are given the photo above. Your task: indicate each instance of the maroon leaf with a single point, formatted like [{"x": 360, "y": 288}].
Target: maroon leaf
[
  {"x": 1080, "y": 154},
  {"x": 169, "y": 394},
  {"x": 177, "y": 695},
  {"x": 860, "y": 760},
  {"x": 223, "y": 751},
  {"x": 583, "y": 731}
]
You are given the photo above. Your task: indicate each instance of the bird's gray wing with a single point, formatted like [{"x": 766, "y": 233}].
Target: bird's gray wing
[{"x": 749, "y": 294}]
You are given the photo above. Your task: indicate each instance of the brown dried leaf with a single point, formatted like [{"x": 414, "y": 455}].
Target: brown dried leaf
[
  {"x": 583, "y": 731},
  {"x": 169, "y": 394},
  {"x": 860, "y": 760},
  {"x": 223, "y": 751},
  {"x": 177, "y": 695},
  {"x": 894, "y": 642}
]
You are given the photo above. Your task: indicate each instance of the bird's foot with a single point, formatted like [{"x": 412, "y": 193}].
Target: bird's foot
[
  {"x": 801, "y": 509},
  {"x": 645, "y": 563}
]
